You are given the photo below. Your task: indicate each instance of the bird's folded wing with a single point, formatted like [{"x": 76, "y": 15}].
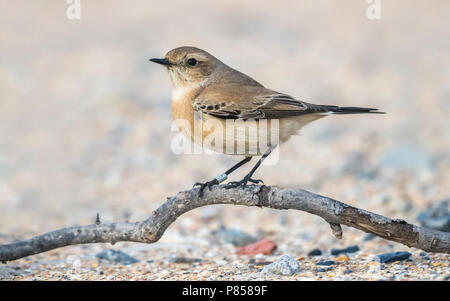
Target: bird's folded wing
[{"x": 236, "y": 101}]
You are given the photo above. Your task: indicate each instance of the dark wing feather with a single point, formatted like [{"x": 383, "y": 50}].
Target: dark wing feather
[{"x": 250, "y": 102}]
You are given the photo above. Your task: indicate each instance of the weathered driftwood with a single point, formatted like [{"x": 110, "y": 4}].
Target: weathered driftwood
[{"x": 151, "y": 229}]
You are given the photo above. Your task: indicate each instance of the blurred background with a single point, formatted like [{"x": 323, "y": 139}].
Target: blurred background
[{"x": 85, "y": 118}]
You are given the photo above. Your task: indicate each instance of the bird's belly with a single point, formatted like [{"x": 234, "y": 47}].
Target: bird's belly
[
  {"x": 231, "y": 137},
  {"x": 236, "y": 137}
]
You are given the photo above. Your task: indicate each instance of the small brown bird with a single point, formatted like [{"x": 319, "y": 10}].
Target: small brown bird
[{"x": 234, "y": 109}]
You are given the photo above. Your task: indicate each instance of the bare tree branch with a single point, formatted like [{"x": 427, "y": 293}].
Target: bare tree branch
[{"x": 150, "y": 230}]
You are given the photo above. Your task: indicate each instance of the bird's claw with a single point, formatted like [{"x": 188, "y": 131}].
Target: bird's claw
[
  {"x": 202, "y": 186},
  {"x": 243, "y": 183},
  {"x": 256, "y": 181}
]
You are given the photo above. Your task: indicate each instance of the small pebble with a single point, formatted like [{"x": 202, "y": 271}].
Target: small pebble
[
  {"x": 315, "y": 252},
  {"x": 286, "y": 265},
  {"x": 391, "y": 257},
  {"x": 342, "y": 258},
  {"x": 116, "y": 257},
  {"x": 369, "y": 237},
  {"x": 263, "y": 246},
  {"x": 181, "y": 259},
  {"x": 322, "y": 270},
  {"x": 234, "y": 237},
  {"x": 351, "y": 249},
  {"x": 437, "y": 216},
  {"x": 325, "y": 262}
]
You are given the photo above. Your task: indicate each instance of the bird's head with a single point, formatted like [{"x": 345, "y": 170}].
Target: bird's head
[{"x": 188, "y": 66}]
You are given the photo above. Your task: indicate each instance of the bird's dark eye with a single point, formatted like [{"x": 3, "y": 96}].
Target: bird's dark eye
[{"x": 192, "y": 62}]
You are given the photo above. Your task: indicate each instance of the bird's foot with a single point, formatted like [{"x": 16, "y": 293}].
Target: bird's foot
[
  {"x": 208, "y": 184},
  {"x": 243, "y": 183}
]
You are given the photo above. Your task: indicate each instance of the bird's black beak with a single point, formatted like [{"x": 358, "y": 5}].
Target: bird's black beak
[{"x": 164, "y": 61}]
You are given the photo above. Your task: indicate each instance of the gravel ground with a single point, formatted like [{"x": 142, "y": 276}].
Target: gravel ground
[
  {"x": 86, "y": 130},
  {"x": 219, "y": 262}
]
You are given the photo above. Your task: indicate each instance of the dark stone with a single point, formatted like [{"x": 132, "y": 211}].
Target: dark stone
[
  {"x": 322, "y": 270},
  {"x": 325, "y": 262},
  {"x": 116, "y": 257},
  {"x": 369, "y": 237},
  {"x": 423, "y": 254},
  {"x": 437, "y": 216},
  {"x": 351, "y": 249},
  {"x": 315, "y": 252},
  {"x": 346, "y": 272},
  {"x": 181, "y": 259},
  {"x": 392, "y": 257},
  {"x": 234, "y": 237}
]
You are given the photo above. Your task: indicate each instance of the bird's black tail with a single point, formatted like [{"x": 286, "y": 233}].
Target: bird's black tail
[{"x": 352, "y": 110}]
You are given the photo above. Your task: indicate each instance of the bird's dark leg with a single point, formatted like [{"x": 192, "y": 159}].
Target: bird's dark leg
[
  {"x": 248, "y": 177},
  {"x": 219, "y": 179}
]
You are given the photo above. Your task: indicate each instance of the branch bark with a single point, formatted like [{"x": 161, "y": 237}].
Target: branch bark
[{"x": 150, "y": 230}]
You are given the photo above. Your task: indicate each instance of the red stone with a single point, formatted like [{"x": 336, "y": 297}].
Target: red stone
[{"x": 264, "y": 246}]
